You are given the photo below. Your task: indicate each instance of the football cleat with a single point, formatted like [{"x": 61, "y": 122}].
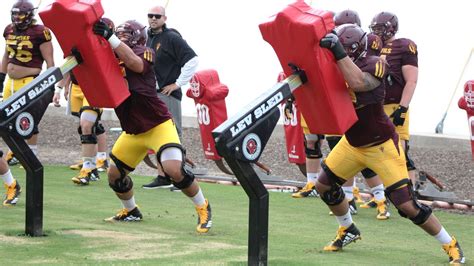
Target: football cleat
[
  {"x": 357, "y": 196},
  {"x": 382, "y": 210},
  {"x": 102, "y": 165},
  {"x": 204, "y": 222},
  {"x": 309, "y": 190},
  {"x": 159, "y": 182},
  {"x": 11, "y": 159},
  {"x": 369, "y": 204},
  {"x": 12, "y": 195},
  {"x": 454, "y": 251},
  {"x": 86, "y": 175},
  {"x": 345, "y": 236},
  {"x": 125, "y": 215},
  {"x": 76, "y": 166}
]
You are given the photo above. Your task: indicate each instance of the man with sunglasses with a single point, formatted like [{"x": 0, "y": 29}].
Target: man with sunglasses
[
  {"x": 28, "y": 45},
  {"x": 175, "y": 64}
]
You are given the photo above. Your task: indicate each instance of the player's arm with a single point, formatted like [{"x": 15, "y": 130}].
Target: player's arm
[
  {"x": 3, "y": 70},
  {"x": 46, "y": 49},
  {"x": 410, "y": 74},
  {"x": 125, "y": 53},
  {"x": 355, "y": 78}
]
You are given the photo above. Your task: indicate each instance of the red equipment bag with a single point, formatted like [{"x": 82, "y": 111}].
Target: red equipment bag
[
  {"x": 466, "y": 102},
  {"x": 209, "y": 96},
  {"x": 99, "y": 74},
  {"x": 324, "y": 101},
  {"x": 294, "y": 134}
]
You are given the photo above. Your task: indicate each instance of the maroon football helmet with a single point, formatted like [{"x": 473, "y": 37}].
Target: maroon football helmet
[
  {"x": 347, "y": 17},
  {"x": 109, "y": 23},
  {"x": 131, "y": 32},
  {"x": 22, "y": 14},
  {"x": 353, "y": 39},
  {"x": 384, "y": 25}
]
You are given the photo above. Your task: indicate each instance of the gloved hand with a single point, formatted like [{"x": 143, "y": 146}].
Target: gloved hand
[
  {"x": 2, "y": 80},
  {"x": 331, "y": 42},
  {"x": 288, "y": 110},
  {"x": 102, "y": 29},
  {"x": 399, "y": 115}
]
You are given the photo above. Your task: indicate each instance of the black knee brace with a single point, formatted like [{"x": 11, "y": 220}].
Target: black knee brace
[
  {"x": 410, "y": 163},
  {"x": 188, "y": 177},
  {"x": 99, "y": 128},
  {"x": 124, "y": 184},
  {"x": 335, "y": 195},
  {"x": 399, "y": 195},
  {"x": 368, "y": 173},
  {"x": 89, "y": 139},
  {"x": 314, "y": 152}
]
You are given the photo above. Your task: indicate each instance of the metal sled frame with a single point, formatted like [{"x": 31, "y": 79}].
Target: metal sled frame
[
  {"x": 41, "y": 87},
  {"x": 256, "y": 121}
]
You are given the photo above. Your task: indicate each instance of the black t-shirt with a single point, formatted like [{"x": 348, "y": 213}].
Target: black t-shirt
[{"x": 172, "y": 53}]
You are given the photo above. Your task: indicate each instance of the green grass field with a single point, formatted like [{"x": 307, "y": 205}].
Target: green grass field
[{"x": 299, "y": 228}]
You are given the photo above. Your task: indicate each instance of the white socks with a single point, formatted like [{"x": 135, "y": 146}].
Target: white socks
[
  {"x": 443, "y": 237},
  {"x": 312, "y": 177},
  {"x": 129, "y": 204},
  {"x": 378, "y": 192},
  {"x": 8, "y": 178},
  {"x": 345, "y": 220},
  {"x": 199, "y": 199}
]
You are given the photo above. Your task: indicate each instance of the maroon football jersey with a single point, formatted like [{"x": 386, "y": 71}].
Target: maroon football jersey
[
  {"x": 142, "y": 110},
  {"x": 398, "y": 53},
  {"x": 23, "y": 46},
  {"x": 374, "y": 45},
  {"x": 373, "y": 126}
]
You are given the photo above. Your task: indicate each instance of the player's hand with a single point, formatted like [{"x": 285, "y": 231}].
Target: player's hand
[
  {"x": 331, "y": 42},
  {"x": 288, "y": 110},
  {"x": 102, "y": 29},
  {"x": 167, "y": 90},
  {"x": 56, "y": 98},
  {"x": 399, "y": 115},
  {"x": 2, "y": 80}
]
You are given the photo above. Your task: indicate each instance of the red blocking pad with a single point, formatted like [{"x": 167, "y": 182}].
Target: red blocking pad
[
  {"x": 324, "y": 100},
  {"x": 99, "y": 74},
  {"x": 466, "y": 102},
  {"x": 209, "y": 97}
]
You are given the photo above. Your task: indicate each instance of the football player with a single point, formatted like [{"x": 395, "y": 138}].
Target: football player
[
  {"x": 371, "y": 142},
  {"x": 402, "y": 57},
  {"x": 374, "y": 45},
  {"x": 28, "y": 45},
  {"x": 91, "y": 131},
  {"x": 147, "y": 124}
]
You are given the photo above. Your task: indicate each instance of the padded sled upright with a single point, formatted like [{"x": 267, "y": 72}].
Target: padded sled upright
[
  {"x": 99, "y": 74},
  {"x": 294, "y": 34}
]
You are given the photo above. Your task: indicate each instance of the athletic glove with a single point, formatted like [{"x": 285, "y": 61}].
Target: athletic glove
[
  {"x": 2, "y": 80},
  {"x": 399, "y": 115},
  {"x": 288, "y": 110},
  {"x": 331, "y": 42},
  {"x": 102, "y": 29}
]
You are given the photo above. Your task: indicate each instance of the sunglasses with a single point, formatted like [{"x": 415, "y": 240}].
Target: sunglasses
[{"x": 157, "y": 16}]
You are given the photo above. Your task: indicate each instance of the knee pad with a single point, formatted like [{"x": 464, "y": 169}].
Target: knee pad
[
  {"x": 89, "y": 139},
  {"x": 315, "y": 151},
  {"x": 410, "y": 163},
  {"x": 399, "y": 195},
  {"x": 335, "y": 195},
  {"x": 368, "y": 173},
  {"x": 99, "y": 128},
  {"x": 332, "y": 141},
  {"x": 188, "y": 177},
  {"x": 124, "y": 184},
  {"x": 1, "y": 153}
]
